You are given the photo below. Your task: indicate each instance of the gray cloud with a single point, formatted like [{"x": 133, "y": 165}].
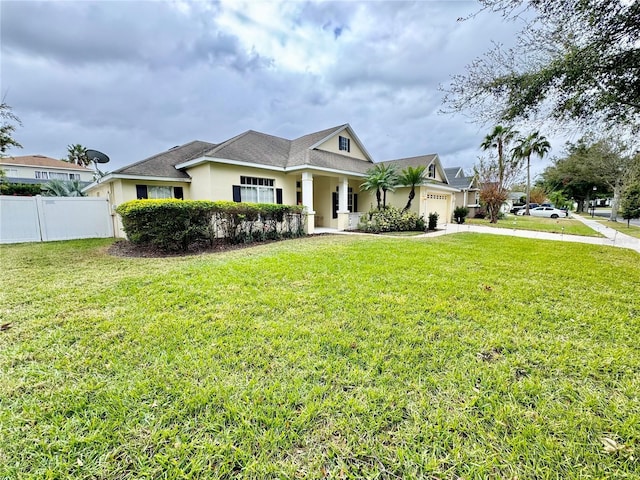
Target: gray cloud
[
  {"x": 135, "y": 78},
  {"x": 143, "y": 33}
]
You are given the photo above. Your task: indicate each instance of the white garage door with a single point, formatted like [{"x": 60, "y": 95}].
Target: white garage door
[{"x": 439, "y": 203}]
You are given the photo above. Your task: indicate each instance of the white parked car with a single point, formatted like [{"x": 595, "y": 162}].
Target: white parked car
[{"x": 548, "y": 212}]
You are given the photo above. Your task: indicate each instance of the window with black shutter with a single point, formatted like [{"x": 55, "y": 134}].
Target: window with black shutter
[
  {"x": 141, "y": 192},
  {"x": 236, "y": 193},
  {"x": 344, "y": 143}
]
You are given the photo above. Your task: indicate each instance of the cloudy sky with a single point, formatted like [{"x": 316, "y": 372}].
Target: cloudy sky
[{"x": 134, "y": 78}]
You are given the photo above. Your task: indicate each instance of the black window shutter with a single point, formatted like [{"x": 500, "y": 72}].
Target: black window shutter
[
  {"x": 141, "y": 192},
  {"x": 279, "y": 196},
  {"x": 236, "y": 193},
  {"x": 355, "y": 202},
  {"x": 348, "y": 144},
  {"x": 178, "y": 193},
  {"x": 334, "y": 210}
]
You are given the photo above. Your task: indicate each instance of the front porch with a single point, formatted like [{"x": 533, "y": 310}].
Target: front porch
[{"x": 332, "y": 202}]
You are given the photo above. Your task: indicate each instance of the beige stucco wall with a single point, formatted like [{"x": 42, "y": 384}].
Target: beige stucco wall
[
  {"x": 121, "y": 190},
  {"x": 24, "y": 171},
  {"x": 214, "y": 181},
  {"x": 200, "y": 188},
  {"x": 322, "y": 201},
  {"x": 333, "y": 145},
  {"x": 400, "y": 197}
]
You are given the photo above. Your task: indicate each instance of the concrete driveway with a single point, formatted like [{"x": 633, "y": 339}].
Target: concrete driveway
[{"x": 611, "y": 237}]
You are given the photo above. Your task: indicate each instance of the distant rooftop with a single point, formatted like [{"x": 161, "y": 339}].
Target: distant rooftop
[{"x": 41, "y": 161}]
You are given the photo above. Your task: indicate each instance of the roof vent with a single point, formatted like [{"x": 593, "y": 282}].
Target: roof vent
[{"x": 174, "y": 147}]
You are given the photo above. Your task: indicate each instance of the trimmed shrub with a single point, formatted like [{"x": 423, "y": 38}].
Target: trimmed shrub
[
  {"x": 167, "y": 224},
  {"x": 460, "y": 213},
  {"x": 20, "y": 189},
  {"x": 433, "y": 220},
  {"x": 174, "y": 225},
  {"x": 391, "y": 219},
  {"x": 250, "y": 222}
]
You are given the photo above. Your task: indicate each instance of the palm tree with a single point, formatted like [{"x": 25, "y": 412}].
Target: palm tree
[
  {"x": 389, "y": 182},
  {"x": 534, "y": 144},
  {"x": 62, "y": 188},
  {"x": 372, "y": 182},
  {"x": 78, "y": 154},
  {"x": 380, "y": 178},
  {"x": 411, "y": 177},
  {"x": 499, "y": 139}
]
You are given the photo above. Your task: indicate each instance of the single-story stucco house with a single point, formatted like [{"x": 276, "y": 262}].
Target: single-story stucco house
[{"x": 322, "y": 171}]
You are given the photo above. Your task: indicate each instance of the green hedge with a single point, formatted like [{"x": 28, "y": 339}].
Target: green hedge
[
  {"x": 176, "y": 224},
  {"x": 168, "y": 224},
  {"x": 20, "y": 189},
  {"x": 250, "y": 222},
  {"x": 391, "y": 219}
]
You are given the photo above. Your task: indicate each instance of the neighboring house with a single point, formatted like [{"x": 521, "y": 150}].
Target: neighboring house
[
  {"x": 322, "y": 171},
  {"x": 41, "y": 169},
  {"x": 514, "y": 198},
  {"x": 469, "y": 190}
]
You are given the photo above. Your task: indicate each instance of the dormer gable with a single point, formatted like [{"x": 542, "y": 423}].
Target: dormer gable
[
  {"x": 433, "y": 168},
  {"x": 343, "y": 141}
]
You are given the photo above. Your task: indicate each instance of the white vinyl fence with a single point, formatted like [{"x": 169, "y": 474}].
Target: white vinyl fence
[{"x": 43, "y": 219}]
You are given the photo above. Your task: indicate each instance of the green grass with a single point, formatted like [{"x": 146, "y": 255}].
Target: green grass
[
  {"x": 463, "y": 356},
  {"x": 523, "y": 222}
]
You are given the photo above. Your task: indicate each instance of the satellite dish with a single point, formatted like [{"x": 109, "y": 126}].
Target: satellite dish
[{"x": 97, "y": 157}]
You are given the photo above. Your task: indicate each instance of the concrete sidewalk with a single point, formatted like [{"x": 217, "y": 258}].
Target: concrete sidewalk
[{"x": 617, "y": 239}]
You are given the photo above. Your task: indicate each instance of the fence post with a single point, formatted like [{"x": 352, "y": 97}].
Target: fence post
[{"x": 41, "y": 222}]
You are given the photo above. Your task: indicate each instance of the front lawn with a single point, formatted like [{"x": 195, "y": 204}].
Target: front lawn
[
  {"x": 523, "y": 222},
  {"x": 462, "y": 356}
]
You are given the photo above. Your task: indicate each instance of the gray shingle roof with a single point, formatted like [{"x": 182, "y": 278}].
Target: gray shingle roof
[
  {"x": 253, "y": 147},
  {"x": 460, "y": 182},
  {"x": 299, "y": 151},
  {"x": 411, "y": 161},
  {"x": 163, "y": 164},
  {"x": 335, "y": 161},
  {"x": 262, "y": 149},
  {"x": 453, "y": 172}
]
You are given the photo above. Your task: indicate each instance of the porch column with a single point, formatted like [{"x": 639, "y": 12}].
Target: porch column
[
  {"x": 307, "y": 202},
  {"x": 465, "y": 202},
  {"x": 343, "y": 203}
]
